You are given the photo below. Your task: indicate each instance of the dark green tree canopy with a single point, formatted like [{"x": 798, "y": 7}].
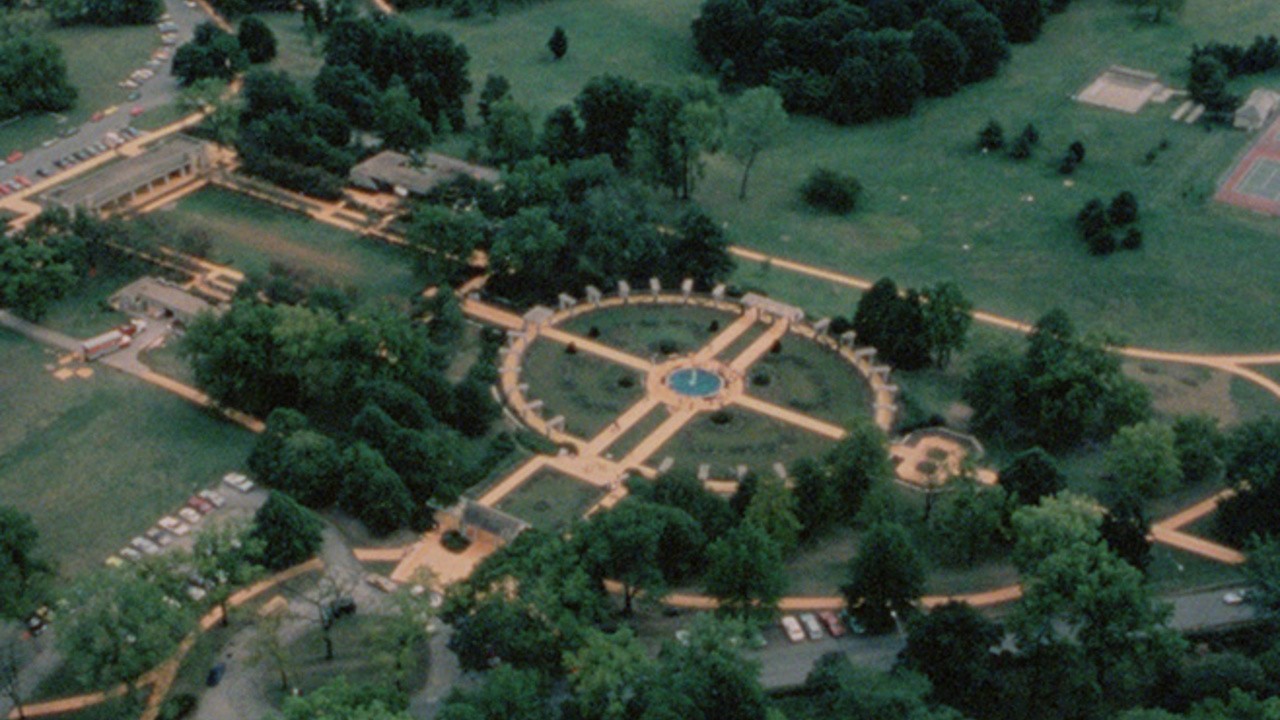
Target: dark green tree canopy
[{"x": 288, "y": 532}]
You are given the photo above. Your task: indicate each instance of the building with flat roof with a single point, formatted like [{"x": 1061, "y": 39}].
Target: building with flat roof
[
  {"x": 158, "y": 298},
  {"x": 1257, "y": 110},
  {"x": 115, "y": 185},
  {"x": 397, "y": 172}
]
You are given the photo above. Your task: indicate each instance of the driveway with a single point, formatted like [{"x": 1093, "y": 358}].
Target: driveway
[{"x": 162, "y": 89}]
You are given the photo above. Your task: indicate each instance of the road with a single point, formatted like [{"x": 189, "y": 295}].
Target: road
[
  {"x": 159, "y": 91},
  {"x": 784, "y": 664}
]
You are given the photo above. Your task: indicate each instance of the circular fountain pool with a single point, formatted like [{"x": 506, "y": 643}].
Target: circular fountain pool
[{"x": 694, "y": 382}]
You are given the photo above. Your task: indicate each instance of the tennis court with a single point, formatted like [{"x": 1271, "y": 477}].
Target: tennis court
[{"x": 1262, "y": 180}]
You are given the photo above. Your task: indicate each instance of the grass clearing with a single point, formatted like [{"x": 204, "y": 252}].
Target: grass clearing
[
  {"x": 589, "y": 392},
  {"x": 84, "y": 313},
  {"x": 97, "y": 461},
  {"x": 351, "y": 658},
  {"x": 296, "y": 54},
  {"x": 97, "y": 58},
  {"x": 813, "y": 380},
  {"x": 645, "y": 329},
  {"x": 251, "y": 234},
  {"x": 551, "y": 501},
  {"x": 934, "y": 208},
  {"x": 747, "y": 439}
]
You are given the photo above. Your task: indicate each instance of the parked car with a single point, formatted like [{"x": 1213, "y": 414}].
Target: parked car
[
  {"x": 96, "y": 116},
  {"x": 214, "y": 497},
  {"x": 130, "y": 554},
  {"x": 832, "y": 623},
  {"x": 174, "y": 525},
  {"x": 215, "y": 674},
  {"x": 71, "y": 131},
  {"x": 159, "y": 537},
  {"x": 133, "y": 96},
  {"x": 191, "y": 516},
  {"x": 145, "y": 545},
  {"x": 238, "y": 481},
  {"x": 791, "y": 626},
  {"x": 23, "y": 180},
  {"x": 14, "y": 157},
  {"x": 199, "y": 504},
  {"x": 812, "y": 626},
  {"x": 1235, "y": 597},
  {"x": 4, "y": 191}
]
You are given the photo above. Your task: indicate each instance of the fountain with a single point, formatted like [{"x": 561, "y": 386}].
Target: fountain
[{"x": 694, "y": 382}]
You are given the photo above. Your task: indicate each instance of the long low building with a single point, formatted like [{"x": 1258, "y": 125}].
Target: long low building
[
  {"x": 393, "y": 171},
  {"x": 115, "y": 185}
]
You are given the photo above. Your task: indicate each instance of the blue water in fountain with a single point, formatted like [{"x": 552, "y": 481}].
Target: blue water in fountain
[{"x": 694, "y": 382}]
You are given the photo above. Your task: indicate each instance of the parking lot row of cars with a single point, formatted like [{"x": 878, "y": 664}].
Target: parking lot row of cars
[
  {"x": 814, "y": 626},
  {"x": 110, "y": 141},
  {"x": 171, "y": 527}
]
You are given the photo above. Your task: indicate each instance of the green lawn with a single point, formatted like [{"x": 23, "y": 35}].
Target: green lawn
[
  {"x": 97, "y": 461},
  {"x": 934, "y": 208},
  {"x": 641, "y": 39},
  {"x": 813, "y": 380},
  {"x": 295, "y": 54},
  {"x": 84, "y": 313},
  {"x": 747, "y": 439},
  {"x": 638, "y": 432},
  {"x": 590, "y": 392},
  {"x": 642, "y": 329},
  {"x": 97, "y": 58},
  {"x": 551, "y": 501},
  {"x": 251, "y": 234}
]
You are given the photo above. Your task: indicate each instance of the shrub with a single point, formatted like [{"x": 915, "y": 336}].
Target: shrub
[
  {"x": 831, "y": 191},
  {"x": 761, "y": 379},
  {"x": 571, "y": 349},
  {"x": 776, "y": 347},
  {"x": 1132, "y": 239},
  {"x": 721, "y": 417},
  {"x": 714, "y": 326},
  {"x": 667, "y": 346},
  {"x": 593, "y": 332},
  {"x": 626, "y": 381},
  {"x": 454, "y": 541},
  {"x": 991, "y": 137}
]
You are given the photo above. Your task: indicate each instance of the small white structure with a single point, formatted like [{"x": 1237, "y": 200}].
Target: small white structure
[
  {"x": 1257, "y": 110},
  {"x": 848, "y": 337},
  {"x": 655, "y": 286},
  {"x": 624, "y": 290},
  {"x": 776, "y": 308},
  {"x": 537, "y": 316},
  {"x": 567, "y": 301},
  {"x": 718, "y": 292},
  {"x": 556, "y": 424},
  {"x": 686, "y": 288},
  {"x": 822, "y": 326},
  {"x": 594, "y": 295}
]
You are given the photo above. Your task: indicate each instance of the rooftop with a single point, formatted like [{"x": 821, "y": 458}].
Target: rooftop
[{"x": 398, "y": 169}]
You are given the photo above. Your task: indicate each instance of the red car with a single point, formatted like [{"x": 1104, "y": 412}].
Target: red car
[
  {"x": 4, "y": 191},
  {"x": 199, "y": 504},
  {"x": 832, "y": 622},
  {"x": 23, "y": 180},
  {"x": 14, "y": 157},
  {"x": 96, "y": 116}
]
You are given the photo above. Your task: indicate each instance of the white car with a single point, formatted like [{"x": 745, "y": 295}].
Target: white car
[
  {"x": 174, "y": 525},
  {"x": 191, "y": 516},
  {"x": 812, "y": 626},
  {"x": 214, "y": 497},
  {"x": 1235, "y": 597},
  {"x": 238, "y": 481},
  {"x": 145, "y": 545},
  {"x": 791, "y": 626},
  {"x": 196, "y": 593},
  {"x": 129, "y": 553}
]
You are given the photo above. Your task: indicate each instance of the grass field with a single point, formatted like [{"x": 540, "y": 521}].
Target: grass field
[
  {"x": 747, "y": 439},
  {"x": 295, "y": 55},
  {"x": 641, "y": 329},
  {"x": 97, "y": 58},
  {"x": 551, "y": 501},
  {"x": 934, "y": 208},
  {"x": 588, "y": 391},
  {"x": 83, "y": 314},
  {"x": 251, "y": 234},
  {"x": 807, "y": 377},
  {"x": 96, "y": 461}
]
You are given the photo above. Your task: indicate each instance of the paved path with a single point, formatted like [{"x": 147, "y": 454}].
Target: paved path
[
  {"x": 790, "y": 417},
  {"x": 726, "y": 337},
  {"x": 40, "y": 334}
]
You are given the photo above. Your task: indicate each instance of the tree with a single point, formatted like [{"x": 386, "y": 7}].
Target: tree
[
  {"x": 289, "y": 533},
  {"x": 507, "y": 692},
  {"x": 529, "y": 246},
  {"x": 623, "y": 544},
  {"x": 773, "y": 509},
  {"x": 257, "y": 40},
  {"x": 707, "y": 677},
  {"x": 373, "y": 492},
  {"x": 942, "y": 56},
  {"x": 885, "y": 577},
  {"x": 1262, "y": 567},
  {"x": 1063, "y": 520},
  {"x": 16, "y": 652},
  {"x": 23, "y": 573},
  {"x": 756, "y": 121},
  {"x": 508, "y": 133},
  {"x": 559, "y": 43},
  {"x": 561, "y": 139},
  {"x": 991, "y": 137},
  {"x": 817, "y": 499},
  {"x": 1253, "y": 471},
  {"x": 894, "y": 323},
  {"x": 321, "y": 596},
  {"x": 1022, "y": 19},
  {"x": 901, "y": 83},
  {"x": 744, "y": 572},
  {"x": 1208, "y": 83},
  {"x": 834, "y": 192},
  {"x": 836, "y": 688},
  {"x": 984, "y": 38},
  {"x": 609, "y": 106},
  {"x": 969, "y": 522},
  {"x": 34, "y": 76},
  {"x": 610, "y": 675},
  {"x": 117, "y": 627},
  {"x": 854, "y": 92},
  {"x": 1033, "y": 474},
  {"x": 309, "y": 469},
  {"x": 349, "y": 89},
  {"x": 1123, "y": 209},
  {"x": 856, "y": 464},
  {"x": 1142, "y": 460},
  {"x": 402, "y": 634},
  {"x": 496, "y": 89},
  {"x": 1125, "y": 529},
  {"x": 947, "y": 317},
  {"x": 340, "y": 699},
  {"x": 226, "y": 557},
  {"x": 399, "y": 120},
  {"x": 104, "y": 12},
  {"x": 267, "y": 645},
  {"x": 952, "y": 646},
  {"x": 214, "y": 53}
]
